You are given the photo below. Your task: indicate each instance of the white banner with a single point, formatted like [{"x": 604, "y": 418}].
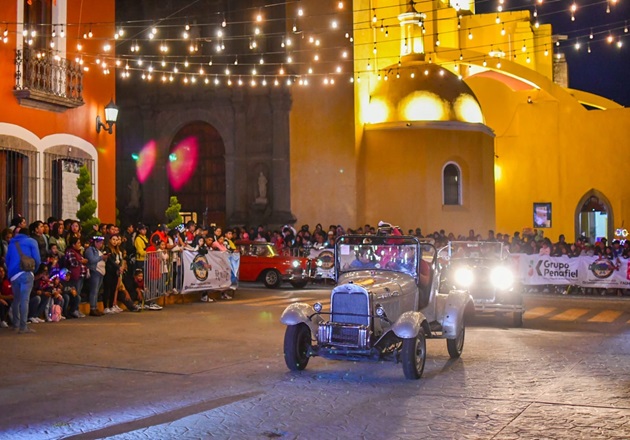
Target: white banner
[
  {"x": 581, "y": 271},
  {"x": 212, "y": 271},
  {"x": 326, "y": 259}
]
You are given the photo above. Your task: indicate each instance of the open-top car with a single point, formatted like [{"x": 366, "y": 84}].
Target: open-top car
[
  {"x": 483, "y": 268},
  {"x": 385, "y": 305},
  {"x": 263, "y": 262}
]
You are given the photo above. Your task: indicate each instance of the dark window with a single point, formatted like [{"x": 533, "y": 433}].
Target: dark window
[
  {"x": 451, "y": 182},
  {"x": 38, "y": 19}
]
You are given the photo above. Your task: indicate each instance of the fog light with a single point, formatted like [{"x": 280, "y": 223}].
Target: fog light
[{"x": 317, "y": 307}]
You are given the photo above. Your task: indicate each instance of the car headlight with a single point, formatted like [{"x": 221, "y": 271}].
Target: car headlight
[
  {"x": 379, "y": 310},
  {"x": 501, "y": 278},
  {"x": 295, "y": 263},
  {"x": 464, "y": 277},
  {"x": 317, "y": 307}
]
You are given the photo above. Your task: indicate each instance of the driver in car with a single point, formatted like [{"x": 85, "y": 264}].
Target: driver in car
[{"x": 364, "y": 259}]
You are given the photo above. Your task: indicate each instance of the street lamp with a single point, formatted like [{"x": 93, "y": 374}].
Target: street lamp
[{"x": 111, "y": 114}]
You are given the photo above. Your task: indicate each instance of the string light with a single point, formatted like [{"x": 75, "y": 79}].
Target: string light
[{"x": 57, "y": 30}]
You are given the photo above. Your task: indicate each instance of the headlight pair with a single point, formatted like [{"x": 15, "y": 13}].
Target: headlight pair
[{"x": 500, "y": 277}]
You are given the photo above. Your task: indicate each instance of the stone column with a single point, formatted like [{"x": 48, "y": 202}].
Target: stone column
[
  {"x": 236, "y": 164},
  {"x": 280, "y": 179}
]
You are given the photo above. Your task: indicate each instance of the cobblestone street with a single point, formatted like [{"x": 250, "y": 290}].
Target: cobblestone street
[{"x": 216, "y": 370}]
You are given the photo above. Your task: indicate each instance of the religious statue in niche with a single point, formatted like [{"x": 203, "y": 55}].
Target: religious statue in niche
[
  {"x": 134, "y": 194},
  {"x": 262, "y": 188}
]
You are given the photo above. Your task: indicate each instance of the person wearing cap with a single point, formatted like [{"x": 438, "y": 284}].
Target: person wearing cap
[
  {"x": 141, "y": 243},
  {"x": 96, "y": 264}
]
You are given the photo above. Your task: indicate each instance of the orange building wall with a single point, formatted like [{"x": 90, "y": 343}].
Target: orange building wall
[{"x": 98, "y": 89}]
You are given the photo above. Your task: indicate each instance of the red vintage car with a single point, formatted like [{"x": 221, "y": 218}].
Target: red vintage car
[{"x": 263, "y": 262}]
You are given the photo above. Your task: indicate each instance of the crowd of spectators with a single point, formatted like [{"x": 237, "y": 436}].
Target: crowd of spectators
[{"x": 73, "y": 264}]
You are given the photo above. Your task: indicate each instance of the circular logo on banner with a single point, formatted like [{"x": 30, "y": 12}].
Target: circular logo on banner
[
  {"x": 200, "y": 267},
  {"x": 602, "y": 268},
  {"x": 326, "y": 260}
]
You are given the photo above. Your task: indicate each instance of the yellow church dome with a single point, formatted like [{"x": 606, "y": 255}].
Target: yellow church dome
[{"x": 423, "y": 92}]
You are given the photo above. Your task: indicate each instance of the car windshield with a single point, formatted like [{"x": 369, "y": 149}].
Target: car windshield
[
  {"x": 483, "y": 250},
  {"x": 257, "y": 249},
  {"x": 393, "y": 253}
]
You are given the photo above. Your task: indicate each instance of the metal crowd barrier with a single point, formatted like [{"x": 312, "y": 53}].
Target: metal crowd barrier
[{"x": 163, "y": 274}]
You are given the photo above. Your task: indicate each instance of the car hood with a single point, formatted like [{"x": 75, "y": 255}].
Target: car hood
[{"x": 380, "y": 283}]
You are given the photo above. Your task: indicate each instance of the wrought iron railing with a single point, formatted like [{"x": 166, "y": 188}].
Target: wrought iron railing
[{"x": 42, "y": 76}]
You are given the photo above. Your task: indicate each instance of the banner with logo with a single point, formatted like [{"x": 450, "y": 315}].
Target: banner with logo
[
  {"x": 581, "y": 271},
  {"x": 325, "y": 262},
  {"x": 211, "y": 271}
]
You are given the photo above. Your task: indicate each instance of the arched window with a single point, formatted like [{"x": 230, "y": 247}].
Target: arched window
[{"x": 451, "y": 185}]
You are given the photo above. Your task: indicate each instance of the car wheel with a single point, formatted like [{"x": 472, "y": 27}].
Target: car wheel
[
  {"x": 271, "y": 278},
  {"x": 299, "y": 284},
  {"x": 517, "y": 319},
  {"x": 414, "y": 355},
  {"x": 297, "y": 341},
  {"x": 456, "y": 346}
]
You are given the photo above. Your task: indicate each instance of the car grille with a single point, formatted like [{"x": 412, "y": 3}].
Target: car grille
[
  {"x": 345, "y": 306},
  {"x": 343, "y": 335}
]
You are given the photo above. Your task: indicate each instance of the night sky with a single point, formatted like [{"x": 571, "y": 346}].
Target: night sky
[{"x": 606, "y": 70}]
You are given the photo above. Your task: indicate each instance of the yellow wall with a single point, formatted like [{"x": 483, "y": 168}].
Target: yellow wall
[
  {"x": 323, "y": 162},
  {"x": 554, "y": 150},
  {"x": 396, "y": 164}
]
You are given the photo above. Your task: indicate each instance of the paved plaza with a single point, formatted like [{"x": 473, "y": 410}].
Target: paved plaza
[{"x": 197, "y": 371}]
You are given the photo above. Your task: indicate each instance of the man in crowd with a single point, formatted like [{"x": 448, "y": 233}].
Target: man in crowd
[{"x": 22, "y": 280}]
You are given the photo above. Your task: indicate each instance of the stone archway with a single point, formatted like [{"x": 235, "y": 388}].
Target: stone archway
[
  {"x": 204, "y": 191},
  {"x": 594, "y": 216}
]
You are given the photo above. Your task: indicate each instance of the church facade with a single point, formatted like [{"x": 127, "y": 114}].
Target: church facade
[{"x": 435, "y": 130}]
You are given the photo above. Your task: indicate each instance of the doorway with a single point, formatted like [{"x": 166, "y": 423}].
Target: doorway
[
  {"x": 202, "y": 194},
  {"x": 594, "y": 217}
]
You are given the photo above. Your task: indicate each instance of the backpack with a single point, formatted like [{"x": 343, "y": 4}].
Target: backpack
[{"x": 55, "y": 313}]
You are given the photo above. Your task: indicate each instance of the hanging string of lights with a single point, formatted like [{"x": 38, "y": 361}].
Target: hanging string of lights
[{"x": 165, "y": 49}]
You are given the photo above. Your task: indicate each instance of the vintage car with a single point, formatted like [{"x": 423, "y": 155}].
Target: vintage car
[
  {"x": 263, "y": 262},
  {"x": 385, "y": 305},
  {"x": 483, "y": 268}
]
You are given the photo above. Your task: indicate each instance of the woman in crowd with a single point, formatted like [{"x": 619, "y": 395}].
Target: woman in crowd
[
  {"x": 5, "y": 238},
  {"x": 115, "y": 267},
  {"x": 96, "y": 264},
  {"x": 57, "y": 237},
  {"x": 76, "y": 264}
]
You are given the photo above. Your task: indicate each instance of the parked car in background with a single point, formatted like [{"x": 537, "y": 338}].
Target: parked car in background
[
  {"x": 484, "y": 269},
  {"x": 384, "y": 307},
  {"x": 263, "y": 262}
]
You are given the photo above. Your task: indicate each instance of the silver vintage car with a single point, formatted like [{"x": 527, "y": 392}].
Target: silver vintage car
[
  {"x": 385, "y": 305},
  {"x": 485, "y": 270}
]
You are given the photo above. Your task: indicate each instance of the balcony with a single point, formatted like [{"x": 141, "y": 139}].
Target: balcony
[{"x": 46, "y": 83}]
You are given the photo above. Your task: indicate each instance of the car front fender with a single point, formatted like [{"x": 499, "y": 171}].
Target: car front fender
[
  {"x": 298, "y": 313},
  {"x": 454, "y": 308},
  {"x": 408, "y": 325}
]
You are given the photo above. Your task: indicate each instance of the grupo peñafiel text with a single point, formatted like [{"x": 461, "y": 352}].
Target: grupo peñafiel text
[{"x": 581, "y": 271}]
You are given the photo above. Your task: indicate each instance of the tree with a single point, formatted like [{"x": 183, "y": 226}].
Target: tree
[
  {"x": 87, "y": 205},
  {"x": 172, "y": 213}
]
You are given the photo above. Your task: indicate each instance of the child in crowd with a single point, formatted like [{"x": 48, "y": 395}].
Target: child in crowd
[
  {"x": 71, "y": 298},
  {"x": 138, "y": 286}
]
